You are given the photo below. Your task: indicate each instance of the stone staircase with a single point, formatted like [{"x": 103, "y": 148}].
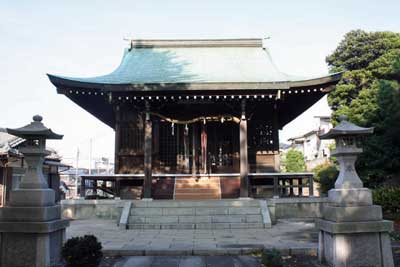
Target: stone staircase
[
  {"x": 195, "y": 214},
  {"x": 197, "y": 188}
]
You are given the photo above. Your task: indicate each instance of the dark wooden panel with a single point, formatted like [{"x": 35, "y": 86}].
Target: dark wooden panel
[
  {"x": 163, "y": 188},
  {"x": 230, "y": 187},
  {"x": 1, "y": 186}
]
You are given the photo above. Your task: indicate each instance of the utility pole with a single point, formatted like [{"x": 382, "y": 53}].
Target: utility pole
[
  {"x": 90, "y": 157},
  {"x": 77, "y": 170}
]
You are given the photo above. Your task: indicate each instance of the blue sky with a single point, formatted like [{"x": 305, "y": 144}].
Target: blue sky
[{"x": 85, "y": 38}]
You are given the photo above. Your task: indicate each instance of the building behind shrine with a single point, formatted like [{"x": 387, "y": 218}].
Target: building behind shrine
[{"x": 195, "y": 118}]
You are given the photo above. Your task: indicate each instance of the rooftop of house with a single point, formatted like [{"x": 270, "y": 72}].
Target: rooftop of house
[{"x": 9, "y": 145}]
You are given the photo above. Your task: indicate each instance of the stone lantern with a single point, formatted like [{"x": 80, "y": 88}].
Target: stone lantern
[
  {"x": 352, "y": 232},
  {"x": 32, "y": 231}
]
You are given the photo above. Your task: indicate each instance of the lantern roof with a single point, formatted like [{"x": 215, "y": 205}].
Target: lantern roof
[
  {"x": 35, "y": 129},
  {"x": 346, "y": 128}
]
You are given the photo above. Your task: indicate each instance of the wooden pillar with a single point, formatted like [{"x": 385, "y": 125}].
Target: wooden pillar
[
  {"x": 117, "y": 190},
  {"x": 300, "y": 182},
  {"x": 291, "y": 191},
  {"x": 275, "y": 136},
  {"x": 244, "y": 163},
  {"x": 194, "y": 149},
  {"x": 276, "y": 187},
  {"x": 186, "y": 149},
  {"x": 147, "y": 153},
  {"x": 311, "y": 186},
  {"x": 117, "y": 140},
  {"x": 203, "y": 148},
  {"x": 83, "y": 188}
]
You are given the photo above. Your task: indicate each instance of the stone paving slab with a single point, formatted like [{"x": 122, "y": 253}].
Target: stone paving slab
[
  {"x": 288, "y": 236},
  {"x": 191, "y": 261}
]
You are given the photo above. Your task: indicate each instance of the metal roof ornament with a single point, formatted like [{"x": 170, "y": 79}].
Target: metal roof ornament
[{"x": 347, "y": 135}]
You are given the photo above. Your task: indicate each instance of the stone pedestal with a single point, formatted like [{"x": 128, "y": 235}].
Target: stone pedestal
[
  {"x": 352, "y": 232},
  {"x": 31, "y": 229}
]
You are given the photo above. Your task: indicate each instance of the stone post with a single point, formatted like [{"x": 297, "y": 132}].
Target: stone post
[
  {"x": 352, "y": 231},
  {"x": 31, "y": 229}
]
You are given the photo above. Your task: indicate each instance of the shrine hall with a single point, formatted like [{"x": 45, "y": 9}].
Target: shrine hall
[{"x": 196, "y": 119}]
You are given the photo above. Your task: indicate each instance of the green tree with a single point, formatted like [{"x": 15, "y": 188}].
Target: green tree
[
  {"x": 294, "y": 161},
  {"x": 369, "y": 94}
]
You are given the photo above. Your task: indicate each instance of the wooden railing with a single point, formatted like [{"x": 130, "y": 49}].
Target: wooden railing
[
  {"x": 282, "y": 184},
  {"x": 261, "y": 184}
]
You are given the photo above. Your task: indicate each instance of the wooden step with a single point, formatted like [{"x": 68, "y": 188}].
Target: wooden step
[
  {"x": 197, "y": 196},
  {"x": 196, "y": 191},
  {"x": 201, "y": 188},
  {"x": 194, "y": 182},
  {"x": 209, "y": 186}
]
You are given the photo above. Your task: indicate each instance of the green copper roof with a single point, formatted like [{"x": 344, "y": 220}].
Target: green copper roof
[{"x": 196, "y": 61}]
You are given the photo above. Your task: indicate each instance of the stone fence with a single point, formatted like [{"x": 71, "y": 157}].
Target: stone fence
[{"x": 279, "y": 208}]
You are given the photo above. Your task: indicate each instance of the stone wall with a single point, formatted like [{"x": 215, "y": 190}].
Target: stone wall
[
  {"x": 78, "y": 209},
  {"x": 296, "y": 208},
  {"x": 279, "y": 208}
]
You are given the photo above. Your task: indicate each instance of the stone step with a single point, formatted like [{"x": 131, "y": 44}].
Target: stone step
[
  {"x": 195, "y": 203},
  {"x": 199, "y": 226},
  {"x": 197, "y": 214},
  {"x": 195, "y": 219},
  {"x": 195, "y": 211}
]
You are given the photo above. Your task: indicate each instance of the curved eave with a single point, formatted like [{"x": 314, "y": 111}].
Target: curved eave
[
  {"x": 62, "y": 82},
  {"x": 26, "y": 134},
  {"x": 333, "y": 133}
]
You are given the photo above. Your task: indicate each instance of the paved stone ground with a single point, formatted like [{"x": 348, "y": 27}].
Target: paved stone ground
[
  {"x": 189, "y": 261},
  {"x": 293, "y": 236}
]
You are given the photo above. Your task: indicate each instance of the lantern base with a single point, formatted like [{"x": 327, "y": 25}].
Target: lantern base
[
  {"x": 350, "y": 197},
  {"x": 32, "y": 198},
  {"x": 353, "y": 214},
  {"x": 352, "y": 232},
  {"x": 31, "y": 244},
  {"x": 355, "y": 243}
]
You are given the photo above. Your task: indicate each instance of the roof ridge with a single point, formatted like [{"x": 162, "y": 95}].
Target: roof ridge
[{"x": 152, "y": 43}]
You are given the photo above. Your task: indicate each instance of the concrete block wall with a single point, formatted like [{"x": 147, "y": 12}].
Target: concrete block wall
[
  {"x": 296, "y": 208},
  {"x": 279, "y": 208},
  {"x": 79, "y": 209}
]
